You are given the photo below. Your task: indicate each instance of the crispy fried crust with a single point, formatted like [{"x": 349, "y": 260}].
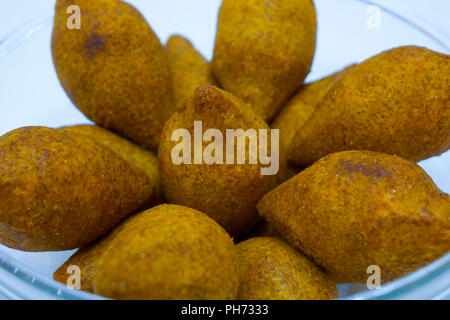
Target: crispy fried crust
[
  {"x": 397, "y": 102},
  {"x": 296, "y": 113},
  {"x": 354, "y": 209},
  {"x": 272, "y": 270},
  {"x": 60, "y": 190},
  {"x": 264, "y": 50},
  {"x": 169, "y": 252},
  {"x": 132, "y": 153},
  {"x": 189, "y": 69},
  {"x": 114, "y": 68},
  {"x": 226, "y": 192}
]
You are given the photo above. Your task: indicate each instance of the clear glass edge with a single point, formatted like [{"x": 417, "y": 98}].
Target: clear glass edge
[{"x": 30, "y": 277}]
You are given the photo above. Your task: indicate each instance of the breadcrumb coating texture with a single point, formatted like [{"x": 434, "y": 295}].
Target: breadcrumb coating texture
[
  {"x": 114, "y": 68},
  {"x": 397, "y": 102},
  {"x": 354, "y": 209},
  {"x": 272, "y": 270},
  {"x": 264, "y": 50},
  {"x": 189, "y": 69},
  {"x": 129, "y": 151},
  {"x": 226, "y": 192},
  {"x": 296, "y": 113},
  {"x": 61, "y": 190},
  {"x": 169, "y": 252}
]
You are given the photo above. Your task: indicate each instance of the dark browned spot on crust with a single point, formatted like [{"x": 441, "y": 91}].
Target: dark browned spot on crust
[
  {"x": 376, "y": 172},
  {"x": 95, "y": 43}
]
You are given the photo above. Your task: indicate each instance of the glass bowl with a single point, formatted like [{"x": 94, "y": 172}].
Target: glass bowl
[{"x": 30, "y": 94}]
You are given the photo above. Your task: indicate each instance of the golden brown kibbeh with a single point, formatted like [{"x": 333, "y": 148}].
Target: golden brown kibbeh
[
  {"x": 132, "y": 153},
  {"x": 114, "y": 68},
  {"x": 264, "y": 50},
  {"x": 397, "y": 102},
  {"x": 61, "y": 190},
  {"x": 272, "y": 270},
  {"x": 86, "y": 258},
  {"x": 169, "y": 252},
  {"x": 354, "y": 209},
  {"x": 189, "y": 69},
  {"x": 226, "y": 192},
  {"x": 292, "y": 117}
]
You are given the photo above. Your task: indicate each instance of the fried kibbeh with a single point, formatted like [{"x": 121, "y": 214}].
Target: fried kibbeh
[
  {"x": 264, "y": 50},
  {"x": 61, "y": 190},
  {"x": 270, "y": 269},
  {"x": 169, "y": 252},
  {"x": 292, "y": 117},
  {"x": 354, "y": 209},
  {"x": 226, "y": 192},
  {"x": 134, "y": 154},
  {"x": 114, "y": 68},
  {"x": 86, "y": 258},
  {"x": 189, "y": 69},
  {"x": 397, "y": 102}
]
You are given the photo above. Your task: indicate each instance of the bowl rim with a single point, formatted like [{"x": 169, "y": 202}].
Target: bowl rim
[
  {"x": 387, "y": 291},
  {"x": 402, "y": 285},
  {"x": 28, "y": 276}
]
